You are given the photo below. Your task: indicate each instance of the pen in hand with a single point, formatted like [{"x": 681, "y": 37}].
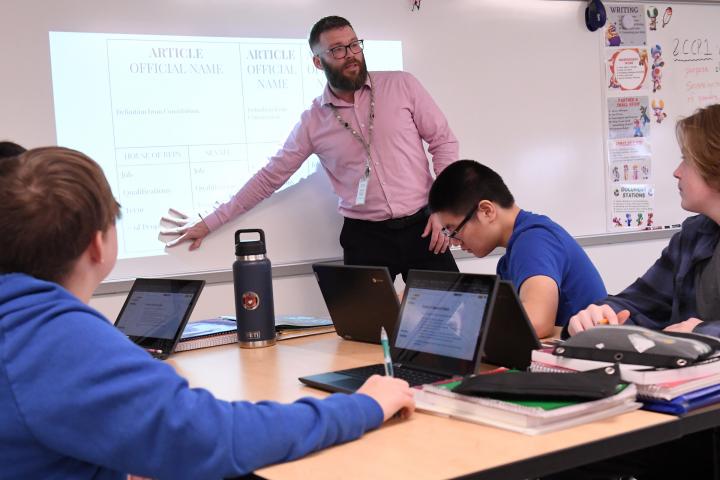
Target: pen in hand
[{"x": 386, "y": 352}]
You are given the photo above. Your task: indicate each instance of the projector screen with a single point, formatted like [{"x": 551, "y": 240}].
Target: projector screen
[{"x": 183, "y": 122}]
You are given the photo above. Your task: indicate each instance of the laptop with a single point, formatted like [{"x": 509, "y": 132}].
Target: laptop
[
  {"x": 438, "y": 335},
  {"x": 509, "y": 336},
  {"x": 156, "y": 311},
  {"x": 360, "y": 300}
]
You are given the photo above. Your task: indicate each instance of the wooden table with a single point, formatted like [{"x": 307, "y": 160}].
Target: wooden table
[{"x": 424, "y": 446}]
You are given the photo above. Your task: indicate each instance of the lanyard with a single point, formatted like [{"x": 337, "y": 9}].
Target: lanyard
[{"x": 357, "y": 134}]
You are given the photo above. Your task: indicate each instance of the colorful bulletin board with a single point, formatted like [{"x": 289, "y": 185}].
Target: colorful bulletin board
[{"x": 662, "y": 62}]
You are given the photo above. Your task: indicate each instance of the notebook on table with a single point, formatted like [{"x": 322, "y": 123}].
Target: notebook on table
[
  {"x": 359, "y": 299},
  {"x": 214, "y": 332},
  {"x": 438, "y": 334},
  {"x": 208, "y": 333}
]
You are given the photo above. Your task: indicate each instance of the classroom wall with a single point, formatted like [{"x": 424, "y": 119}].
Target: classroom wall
[
  {"x": 518, "y": 118},
  {"x": 619, "y": 264},
  {"x": 532, "y": 110}
]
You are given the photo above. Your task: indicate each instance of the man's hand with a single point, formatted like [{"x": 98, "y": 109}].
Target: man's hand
[
  {"x": 596, "y": 315},
  {"x": 686, "y": 326},
  {"x": 393, "y": 395},
  {"x": 439, "y": 243},
  {"x": 186, "y": 228}
]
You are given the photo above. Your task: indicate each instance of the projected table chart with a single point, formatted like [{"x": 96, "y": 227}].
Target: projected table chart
[{"x": 182, "y": 121}]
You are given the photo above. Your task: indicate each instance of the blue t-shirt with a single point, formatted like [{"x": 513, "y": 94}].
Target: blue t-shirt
[{"x": 539, "y": 246}]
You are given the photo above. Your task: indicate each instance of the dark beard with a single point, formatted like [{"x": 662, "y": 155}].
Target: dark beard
[{"x": 339, "y": 81}]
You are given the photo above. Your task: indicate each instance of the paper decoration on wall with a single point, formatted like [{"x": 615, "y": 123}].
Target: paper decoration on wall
[
  {"x": 667, "y": 16},
  {"x": 652, "y": 13}
]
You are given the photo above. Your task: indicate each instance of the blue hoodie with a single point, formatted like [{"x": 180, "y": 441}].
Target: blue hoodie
[{"x": 79, "y": 400}]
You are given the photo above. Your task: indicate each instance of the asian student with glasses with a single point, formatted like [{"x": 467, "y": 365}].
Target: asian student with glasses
[{"x": 553, "y": 274}]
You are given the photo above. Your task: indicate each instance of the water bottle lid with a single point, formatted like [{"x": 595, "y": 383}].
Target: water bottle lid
[{"x": 252, "y": 247}]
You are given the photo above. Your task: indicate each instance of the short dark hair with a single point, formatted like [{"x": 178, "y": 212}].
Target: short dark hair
[
  {"x": 10, "y": 149},
  {"x": 323, "y": 25},
  {"x": 53, "y": 200},
  {"x": 464, "y": 184}
]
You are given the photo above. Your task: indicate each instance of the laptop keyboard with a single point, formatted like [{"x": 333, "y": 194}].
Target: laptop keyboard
[{"x": 413, "y": 377}]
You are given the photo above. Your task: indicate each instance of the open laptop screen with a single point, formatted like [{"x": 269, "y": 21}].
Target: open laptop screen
[
  {"x": 156, "y": 311},
  {"x": 154, "y": 314},
  {"x": 441, "y": 320}
]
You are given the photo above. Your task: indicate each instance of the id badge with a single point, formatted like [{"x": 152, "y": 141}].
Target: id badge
[{"x": 361, "y": 191}]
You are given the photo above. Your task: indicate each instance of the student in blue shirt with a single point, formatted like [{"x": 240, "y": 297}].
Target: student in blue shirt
[
  {"x": 552, "y": 273},
  {"x": 78, "y": 399},
  {"x": 681, "y": 291}
]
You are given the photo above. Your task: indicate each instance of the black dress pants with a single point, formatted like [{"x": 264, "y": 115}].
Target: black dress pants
[{"x": 394, "y": 243}]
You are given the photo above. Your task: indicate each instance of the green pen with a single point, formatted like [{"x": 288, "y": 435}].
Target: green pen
[{"x": 386, "y": 352}]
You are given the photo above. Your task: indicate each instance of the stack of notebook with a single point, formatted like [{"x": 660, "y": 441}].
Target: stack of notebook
[
  {"x": 666, "y": 390},
  {"x": 680, "y": 396},
  {"x": 528, "y": 416}
]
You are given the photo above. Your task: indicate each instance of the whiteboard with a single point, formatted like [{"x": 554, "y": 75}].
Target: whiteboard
[{"x": 520, "y": 81}]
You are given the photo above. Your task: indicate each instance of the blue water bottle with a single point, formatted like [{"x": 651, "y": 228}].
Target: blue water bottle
[{"x": 252, "y": 279}]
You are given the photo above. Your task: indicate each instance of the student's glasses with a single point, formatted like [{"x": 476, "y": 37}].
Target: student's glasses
[
  {"x": 340, "y": 52},
  {"x": 454, "y": 233}
]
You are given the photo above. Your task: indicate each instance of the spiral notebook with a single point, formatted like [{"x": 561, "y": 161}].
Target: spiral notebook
[
  {"x": 687, "y": 402},
  {"x": 529, "y": 416},
  {"x": 208, "y": 333},
  {"x": 223, "y": 330},
  {"x": 670, "y": 390}
]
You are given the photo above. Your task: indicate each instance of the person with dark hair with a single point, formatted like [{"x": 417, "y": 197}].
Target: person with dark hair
[
  {"x": 552, "y": 273},
  {"x": 79, "y": 400},
  {"x": 680, "y": 291},
  {"x": 368, "y": 130},
  {"x": 10, "y": 149}
]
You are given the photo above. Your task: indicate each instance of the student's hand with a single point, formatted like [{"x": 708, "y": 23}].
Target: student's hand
[
  {"x": 187, "y": 229},
  {"x": 596, "y": 315},
  {"x": 686, "y": 326},
  {"x": 438, "y": 242},
  {"x": 393, "y": 395}
]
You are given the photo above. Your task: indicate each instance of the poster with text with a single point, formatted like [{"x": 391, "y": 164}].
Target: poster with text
[
  {"x": 632, "y": 206},
  {"x": 625, "y": 25},
  {"x": 627, "y": 69},
  {"x": 629, "y": 160},
  {"x": 628, "y": 117}
]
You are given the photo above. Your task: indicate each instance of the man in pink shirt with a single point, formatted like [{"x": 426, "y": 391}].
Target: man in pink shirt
[{"x": 368, "y": 131}]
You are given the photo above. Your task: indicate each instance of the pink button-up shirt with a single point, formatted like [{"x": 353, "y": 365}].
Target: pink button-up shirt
[{"x": 400, "y": 178}]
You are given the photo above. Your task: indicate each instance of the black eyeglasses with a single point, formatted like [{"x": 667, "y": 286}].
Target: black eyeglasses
[
  {"x": 340, "y": 52},
  {"x": 454, "y": 233}
]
